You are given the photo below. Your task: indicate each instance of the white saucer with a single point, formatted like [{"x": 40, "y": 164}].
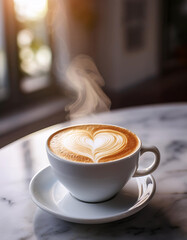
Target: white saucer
[{"x": 50, "y": 195}]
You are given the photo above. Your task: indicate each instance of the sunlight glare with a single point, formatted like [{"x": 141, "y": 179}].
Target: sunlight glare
[
  {"x": 30, "y": 9},
  {"x": 25, "y": 37}
]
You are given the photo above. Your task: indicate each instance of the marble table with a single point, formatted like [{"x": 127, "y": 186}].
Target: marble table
[{"x": 165, "y": 217}]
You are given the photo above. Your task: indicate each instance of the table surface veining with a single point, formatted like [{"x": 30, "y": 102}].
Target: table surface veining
[{"x": 165, "y": 217}]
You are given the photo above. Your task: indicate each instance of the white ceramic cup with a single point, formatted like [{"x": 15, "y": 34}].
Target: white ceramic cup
[{"x": 96, "y": 182}]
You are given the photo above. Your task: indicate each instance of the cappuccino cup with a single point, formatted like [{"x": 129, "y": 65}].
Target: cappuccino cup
[{"x": 95, "y": 161}]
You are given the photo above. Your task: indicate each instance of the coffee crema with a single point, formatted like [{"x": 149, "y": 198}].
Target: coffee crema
[{"x": 93, "y": 143}]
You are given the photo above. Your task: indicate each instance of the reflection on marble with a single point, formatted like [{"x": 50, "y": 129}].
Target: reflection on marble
[{"x": 165, "y": 217}]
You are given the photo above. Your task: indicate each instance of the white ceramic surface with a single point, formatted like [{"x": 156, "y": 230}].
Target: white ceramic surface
[
  {"x": 96, "y": 182},
  {"x": 50, "y": 195}
]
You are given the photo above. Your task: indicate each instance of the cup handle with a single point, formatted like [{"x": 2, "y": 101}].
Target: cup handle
[{"x": 153, "y": 166}]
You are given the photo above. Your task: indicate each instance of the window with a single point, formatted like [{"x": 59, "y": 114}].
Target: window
[
  {"x": 3, "y": 60},
  {"x": 134, "y": 20},
  {"x": 25, "y": 52},
  {"x": 33, "y": 44}
]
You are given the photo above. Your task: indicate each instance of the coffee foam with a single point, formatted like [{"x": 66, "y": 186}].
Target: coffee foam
[{"x": 93, "y": 143}]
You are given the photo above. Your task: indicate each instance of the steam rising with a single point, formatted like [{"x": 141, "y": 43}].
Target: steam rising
[
  {"x": 80, "y": 75},
  {"x": 85, "y": 80}
]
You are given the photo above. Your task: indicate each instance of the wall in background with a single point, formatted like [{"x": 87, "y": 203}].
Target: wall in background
[
  {"x": 122, "y": 36},
  {"x": 128, "y": 41}
]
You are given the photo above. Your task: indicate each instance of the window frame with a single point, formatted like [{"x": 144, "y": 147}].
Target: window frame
[{"x": 16, "y": 98}]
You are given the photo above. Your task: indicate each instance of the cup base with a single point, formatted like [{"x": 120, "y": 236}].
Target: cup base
[{"x": 93, "y": 202}]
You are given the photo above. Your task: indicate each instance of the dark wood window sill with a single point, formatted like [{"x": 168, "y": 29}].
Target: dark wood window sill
[{"x": 23, "y": 122}]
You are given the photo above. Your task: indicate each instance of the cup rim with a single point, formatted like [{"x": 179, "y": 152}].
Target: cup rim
[{"x": 85, "y": 163}]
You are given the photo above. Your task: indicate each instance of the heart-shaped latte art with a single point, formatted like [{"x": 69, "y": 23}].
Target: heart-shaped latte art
[{"x": 93, "y": 145}]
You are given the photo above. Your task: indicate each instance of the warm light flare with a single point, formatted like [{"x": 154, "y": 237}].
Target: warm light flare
[{"x": 30, "y": 9}]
